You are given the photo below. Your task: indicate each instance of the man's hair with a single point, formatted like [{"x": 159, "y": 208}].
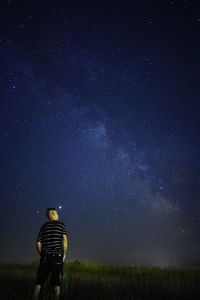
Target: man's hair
[{"x": 48, "y": 210}]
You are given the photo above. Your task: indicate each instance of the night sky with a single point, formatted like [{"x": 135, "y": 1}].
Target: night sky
[{"x": 99, "y": 118}]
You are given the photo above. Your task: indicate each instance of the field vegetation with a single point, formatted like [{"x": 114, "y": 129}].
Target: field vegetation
[{"x": 101, "y": 282}]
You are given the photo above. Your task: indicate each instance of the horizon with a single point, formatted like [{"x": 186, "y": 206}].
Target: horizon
[{"x": 187, "y": 265}]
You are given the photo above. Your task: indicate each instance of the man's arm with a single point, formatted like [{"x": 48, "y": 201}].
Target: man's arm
[
  {"x": 65, "y": 244},
  {"x": 39, "y": 247},
  {"x": 39, "y": 240}
]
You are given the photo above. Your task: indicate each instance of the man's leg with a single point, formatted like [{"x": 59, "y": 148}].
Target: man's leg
[
  {"x": 42, "y": 274},
  {"x": 57, "y": 276},
  {"x": 36, "y": 292},
  {"x": 56, "y": 292}
]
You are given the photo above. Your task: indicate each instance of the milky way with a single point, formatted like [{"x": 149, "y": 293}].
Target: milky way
[{"x": 100, "y": 119}]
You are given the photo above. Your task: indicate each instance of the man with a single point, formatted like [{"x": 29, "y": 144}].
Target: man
[{"x": 52, "y": 247}]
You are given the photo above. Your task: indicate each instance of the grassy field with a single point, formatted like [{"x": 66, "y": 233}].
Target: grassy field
[{"x": 96, "y": 281}]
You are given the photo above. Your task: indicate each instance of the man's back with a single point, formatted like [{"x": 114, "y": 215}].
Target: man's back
[{"x": 51, "y": 236}]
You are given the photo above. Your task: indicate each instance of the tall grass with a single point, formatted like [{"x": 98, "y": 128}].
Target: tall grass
[{"x": 102, "y": 282}]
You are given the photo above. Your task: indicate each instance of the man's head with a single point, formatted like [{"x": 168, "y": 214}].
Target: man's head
[{"x": 52, "y": 214}]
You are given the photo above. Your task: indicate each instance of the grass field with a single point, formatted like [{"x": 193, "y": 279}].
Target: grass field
[{"x": 96, "y": 281}]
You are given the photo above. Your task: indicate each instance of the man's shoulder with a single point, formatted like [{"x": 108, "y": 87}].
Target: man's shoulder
[
  {"x": 52, "y": 224},
  {"x": 56, "y": 222},
  {"x": 61, "y": 223},
  {"x": 45, "y": 223}
]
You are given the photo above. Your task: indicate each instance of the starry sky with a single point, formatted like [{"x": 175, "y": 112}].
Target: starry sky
[{"x": 99, "y": 118}]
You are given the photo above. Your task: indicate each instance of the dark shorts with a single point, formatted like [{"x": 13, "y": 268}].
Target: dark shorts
[{"x": 50, "y": 264}]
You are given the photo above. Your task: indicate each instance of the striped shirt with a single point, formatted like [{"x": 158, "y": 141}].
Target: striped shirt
[{"x": 51, "y": 237}]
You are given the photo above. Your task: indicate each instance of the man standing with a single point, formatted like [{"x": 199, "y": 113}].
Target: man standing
[{"x": 52, "y": 247}]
